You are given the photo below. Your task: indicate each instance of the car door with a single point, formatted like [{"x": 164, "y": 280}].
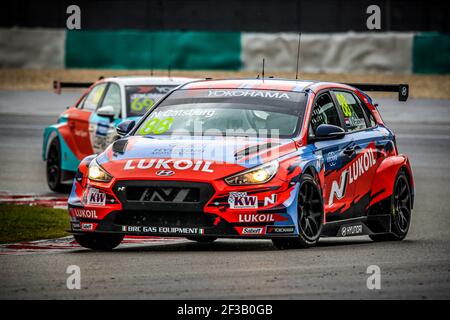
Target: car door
[
  {"x": 102, "y": 129},
  {"x": 79, "y": 120},
  {"x": 371, "y": 143},
  {"x": 337, "y": 193}
]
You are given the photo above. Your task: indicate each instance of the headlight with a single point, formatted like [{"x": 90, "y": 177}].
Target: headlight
[
  {"x": 258, "y": 175},
  {"x": 97, "y": 173}
]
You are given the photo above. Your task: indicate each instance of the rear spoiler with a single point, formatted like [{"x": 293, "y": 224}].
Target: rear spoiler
[
  {"x": 402, "y": 89},
  {"x": 58, "y": 85}
]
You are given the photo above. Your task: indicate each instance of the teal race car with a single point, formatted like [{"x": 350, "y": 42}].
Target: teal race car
[{"x": 87, "y": 127}]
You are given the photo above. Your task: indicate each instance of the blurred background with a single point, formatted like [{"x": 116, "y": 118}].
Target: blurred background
[{"x": 340, "y": 40}]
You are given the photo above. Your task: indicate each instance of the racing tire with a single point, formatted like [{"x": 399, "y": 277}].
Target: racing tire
[
  {"x": 100, "y": 242},
  {"x": 400, "y": 210},
  {"x": 310, "y": 216},
  {"x": 204, "y": 239},
  {"x": 53, "y": 168}
]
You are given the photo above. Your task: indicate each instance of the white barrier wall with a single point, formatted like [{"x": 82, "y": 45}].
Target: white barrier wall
[
  {"x": 32, "y": 48},
  {"x": 334, "y": 53}
]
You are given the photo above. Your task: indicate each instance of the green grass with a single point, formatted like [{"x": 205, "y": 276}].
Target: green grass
[{"x": 25, "y": 223}]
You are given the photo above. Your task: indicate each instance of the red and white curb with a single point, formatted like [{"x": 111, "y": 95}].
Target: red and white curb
[
  {"x": 51, "y": 201},
  {"x": 68, "y": 244},
  {"x": 65, "y": 244}
]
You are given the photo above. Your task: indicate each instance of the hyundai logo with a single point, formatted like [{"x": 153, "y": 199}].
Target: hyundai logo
[{"x": 165, "y": 173}]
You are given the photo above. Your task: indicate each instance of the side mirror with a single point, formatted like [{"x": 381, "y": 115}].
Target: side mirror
[
  {"x": 125, "y": 127},
  {"x": 107, "y": 112},
  {"x": 328, "y": 132}
]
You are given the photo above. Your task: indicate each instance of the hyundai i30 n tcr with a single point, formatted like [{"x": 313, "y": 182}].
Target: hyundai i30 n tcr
[{"x": 286, "y": 160}]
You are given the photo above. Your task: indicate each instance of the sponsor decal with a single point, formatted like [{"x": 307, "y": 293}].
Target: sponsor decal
[
  {"x": 165, "y": 230},
  {"x": 76, "y": 225},
  {"x": 95, "y": 197},
  {"x": 84, "y": 213},
  {"x": 168, "y": 164},
  {"x": 207, "y": 113},
  {"x": 249, "y": 230},
  {"x": 331, "y": 158},
  {"x": 353, "y": 230},
  {"x": 355, "y": 170},
  {"x": 240, "y": 200},
  {"x": 256, "y": 218},
  {"x": 270, "y": 200},
  {"x": 249, "y": 93},
  {"x": 80, "y": 133},
  {"x": 88, "y": 226},
  {"x": 280, "y": 229},
  {"x": 102, "y": 129}
]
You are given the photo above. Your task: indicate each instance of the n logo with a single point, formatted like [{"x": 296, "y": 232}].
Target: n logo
[{"x": 338, "y": 190}]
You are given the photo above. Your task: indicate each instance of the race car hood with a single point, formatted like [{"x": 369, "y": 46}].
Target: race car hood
[{"x": 190, "y": 158}]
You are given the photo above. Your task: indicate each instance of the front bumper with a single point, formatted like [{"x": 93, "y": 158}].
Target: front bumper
[{"x": 129, "y": 211}]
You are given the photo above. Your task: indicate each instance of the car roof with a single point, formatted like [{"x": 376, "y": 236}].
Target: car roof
[
  {"x": 262, "y": 84},
  {"x": 142, "y": 80}
]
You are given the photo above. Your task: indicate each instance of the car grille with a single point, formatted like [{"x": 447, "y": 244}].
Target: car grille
[
  {"x": 158, "y": 218},
  {"x": 163, "y": 195}
]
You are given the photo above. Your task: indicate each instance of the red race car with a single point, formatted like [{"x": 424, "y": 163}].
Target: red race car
[{"x": 286, "y": 160}]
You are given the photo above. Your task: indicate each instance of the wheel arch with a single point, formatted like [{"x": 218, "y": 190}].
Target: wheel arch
[
  {"x": 69, "y": 162},
  {"x": 384, "y": 180}
]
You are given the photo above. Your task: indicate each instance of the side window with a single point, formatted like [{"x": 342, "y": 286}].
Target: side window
[
  {"x": 369, "y": 115},
  {"x": 94, "y": 97},
  {"x": 353, "y": 113},
  {"x": 324, "y": 112},
  {"x": 112, "y": 98},
  {"x": 81, "y": 103}
]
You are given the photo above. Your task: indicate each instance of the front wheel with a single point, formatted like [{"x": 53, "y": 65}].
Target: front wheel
[
  {"x": 53, "y": 166},
  {"x": 400, "y": 211},
  {"x": 310, "y": 216},
  {"x": 101, "y": 242}
]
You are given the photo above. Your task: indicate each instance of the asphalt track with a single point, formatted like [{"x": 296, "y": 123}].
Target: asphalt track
[{"x": 418, "y": 267}]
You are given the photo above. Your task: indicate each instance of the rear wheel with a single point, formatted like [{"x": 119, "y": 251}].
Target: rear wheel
[
  {"x": 310, "y": 216},
  {"x": 102, "y": 242},
  {"x": 204, "y": 239},
  {"x": 53, "y": 164},
  {"x": 400, "y": 210}
]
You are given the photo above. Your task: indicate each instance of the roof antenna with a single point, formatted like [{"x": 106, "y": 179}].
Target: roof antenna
[
  {"x": 298, "y": 55},
  {"x": 151, "y": 55}
]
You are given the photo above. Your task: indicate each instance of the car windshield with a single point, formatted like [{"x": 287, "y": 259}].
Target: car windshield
[
  {"x": 227, "y": 112},
  {"x": 142, "y": 98}
]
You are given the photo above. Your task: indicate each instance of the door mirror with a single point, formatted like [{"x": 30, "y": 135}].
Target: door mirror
[
  {"x": 328, "y": 132},
  {"x": 125, "y": 127},
  {"x": 107, "y": 112}
]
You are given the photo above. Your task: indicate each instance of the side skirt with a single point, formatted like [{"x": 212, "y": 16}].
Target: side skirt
[{"x": 375, "y": 224}]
